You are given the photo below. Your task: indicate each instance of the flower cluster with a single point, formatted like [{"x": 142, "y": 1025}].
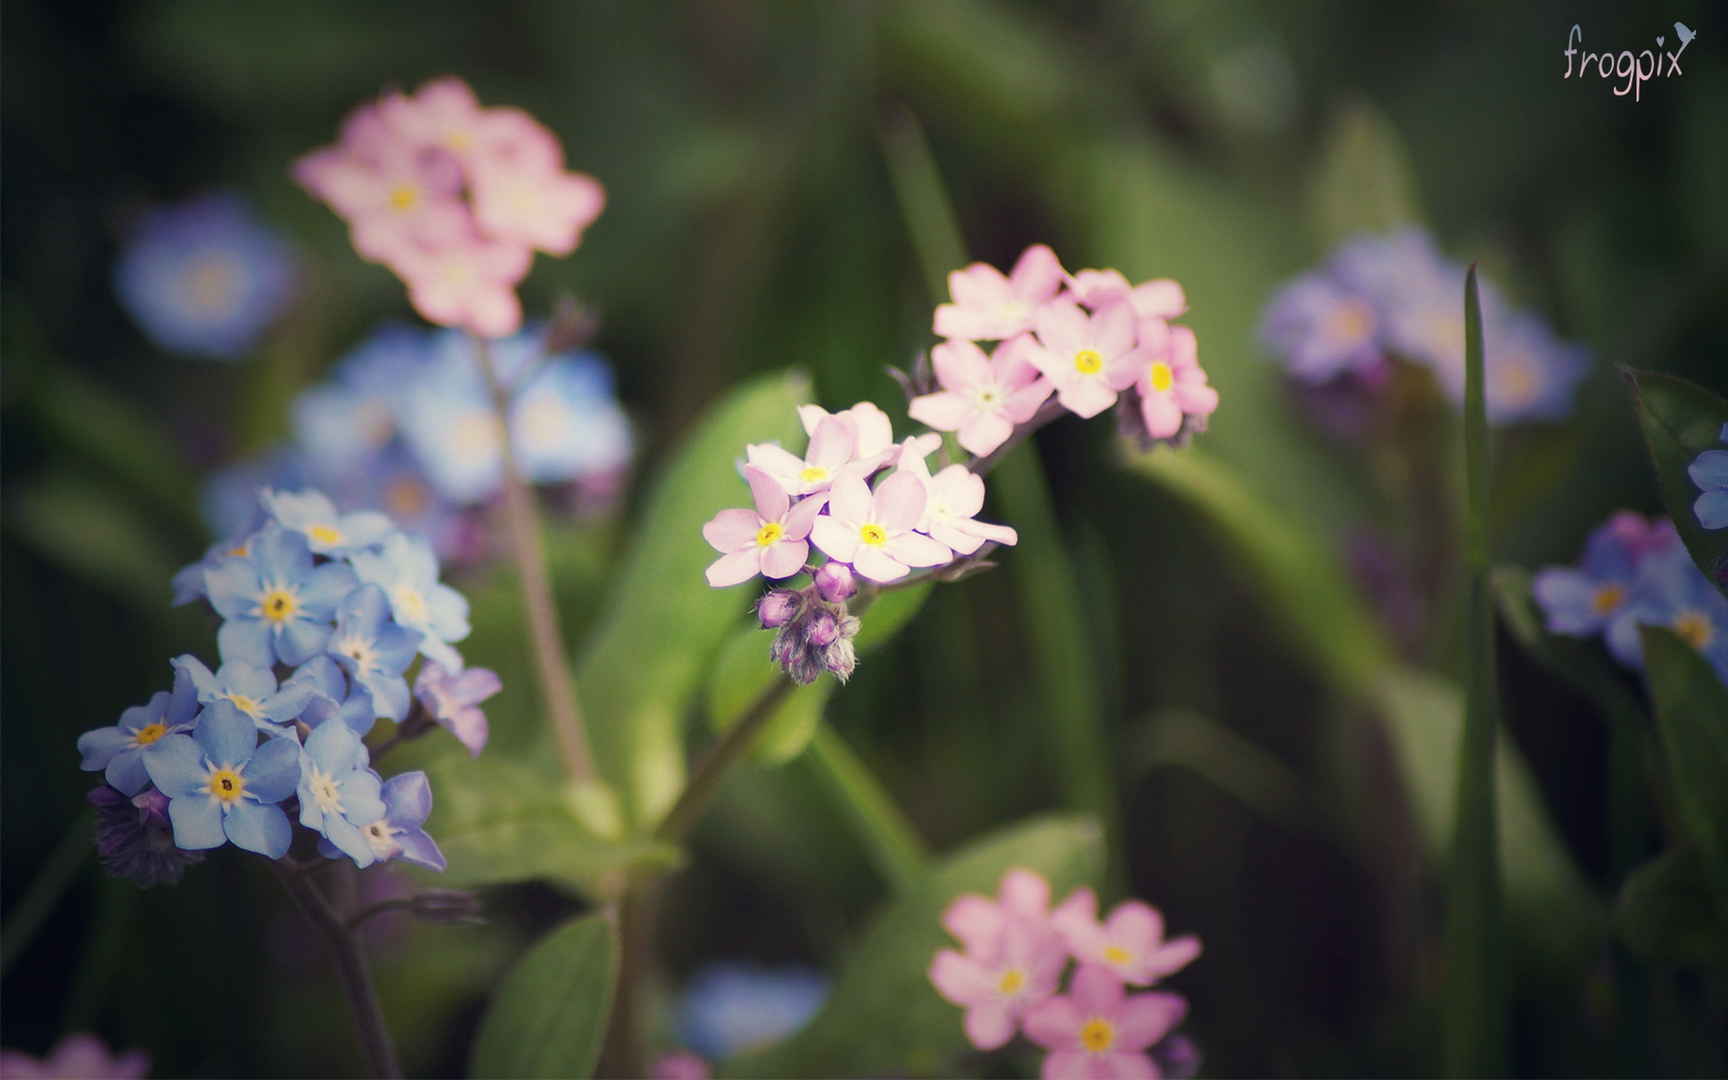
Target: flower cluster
[
  {"x": 454, "y": 198},
  {"x": 204, "y": 277},
  {"x": 1381, "y": 298},
  {"x": 1709, "y": 471},
  {"x": 1015, "y": 949},
  {"x": 75, "y": 1055},
  {"x": 405, "y": 422},
  {"x": 322, "y": 615},
  {"x": 1634, "y": 573}
]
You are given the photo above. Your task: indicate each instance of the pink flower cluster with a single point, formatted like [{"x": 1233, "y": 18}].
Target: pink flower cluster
[
  {"x": 453, "y": 197},
  {"x": 1015, "y": 949},
  {"x": 911, "y": 518},
  {"x": 1087, "y": 337}
]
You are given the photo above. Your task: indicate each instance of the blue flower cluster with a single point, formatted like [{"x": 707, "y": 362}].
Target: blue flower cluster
[
  {"x": 1635, "y": 573},
  {"x": 405, "y": 423},
  {"x": 1709, "y": 471},
  {"x": 1395, "y": 296},
  {"x": 322, "y": 614}
]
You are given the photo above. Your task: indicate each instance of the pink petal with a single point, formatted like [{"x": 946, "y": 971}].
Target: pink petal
[
  {"x": 874, "y": 564},
  {"x": 1143, "y": 1019},
  {"x": 1001, "y": 534},
  {"x": 801, "y": 517},
  {"x": 849, "y": 501},
  {"x": 836, "y": 539},
  {"x": 1184, "y": 347},
  {"x": 961, "y": 979},
  {"x": 1162, "y": 415},
  {"x": 810, "y": 416},
  {"x": 963, "y": 491},
  {"x": 1078, "y": 912},
  {"x": 1012, "y": 361},
  {"x": 1124, "y": 1067},
  {"x": 1096, "y": 288},
  {"x": 1161, "y": 298},
  {"x": 974, "y": 920},
  {"x": 1086, "y": 397},
  {"x": 960, "y": 365},
  {"x": 771, "y": 499},
  {"x": 1096, "y": 990},
  {"x": 875, "y": 432},
  {"x": 784, "y": 559},
  {"x": 1023, "y": 404},
  {"x": 1199, "y": 400},
  {"x": 1172, "y": 957},
  {"x": 916, "y": 549},
  {"x": 1135, "y": 925},
  {"x": 1127, "y": 369},
  {"x": 1067, "y": 1065},
  {"x": 494, "y": 312},
  {"x": 731, "y": 530},
  {"x": 1062, "y": 328},
  {"x": 733, "y": 568},
  {"x": 989, "y": 1025},
  {"x": 942, "y": 410},
  {"x": 774, "y": 460},
  {"x": 898, "y": 503},
  {"x": 1054, "y": 1024},
  {"x": 1152, "y": 337},
  {"x": 1112, "y": 329},
  {"x": 1037, "y": 274},
  {"x": 833, "y": 444},
  {"x": 1025, "y": 892},
  {"x": 984, "y": 432},
  {"x": 962, "y": 543},
  {"x": 979, "y": 285},
  {"x": 965, "y": 324}
]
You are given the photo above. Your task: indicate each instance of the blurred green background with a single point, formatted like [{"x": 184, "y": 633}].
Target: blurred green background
[{"x": 753, "y": 224}]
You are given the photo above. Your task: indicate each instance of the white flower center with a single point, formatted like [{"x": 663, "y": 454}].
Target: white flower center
[{"x": 323, "y": 789}]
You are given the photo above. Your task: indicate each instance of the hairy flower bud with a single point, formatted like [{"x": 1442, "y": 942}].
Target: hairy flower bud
[
  {"x": 134, "y": 839},
  {"x": 777, "y": 608},
  {"x": 840, "y": 659},
  {"x": 835, "y": 582},
  {"x": 823, "y": 631}
]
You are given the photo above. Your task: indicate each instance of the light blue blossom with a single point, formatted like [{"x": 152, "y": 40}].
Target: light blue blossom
[
  {"x": 222, "y": 786},
  {"x": 1530, "y": 374},
  {"x": 1322, "y": 330},
  {"x": 333, "y": 698},
  {"x": 407, "y": 570},
  {"x": 119, "y": 750},
  {"x": 229, "y": 501},
  {"x": 1709, "y": 471},
  {"x": 1671, "y": 591},
  {"x": 1580, "y": 601},
  {"x": 188, "y": 581},
  {"x": 339, "y": 795},
  {"x": 276, "y": 605},
  {"x": 401, "y": 832},
  {"x": 728, "y": 1009},
  {"x": 204, "y": 277},
  {"x": 327, "y": 530},
  {"x": 373, "y": 650},
  {"x": 355, "y": 412},
  {"x": 250, "y": 689}
]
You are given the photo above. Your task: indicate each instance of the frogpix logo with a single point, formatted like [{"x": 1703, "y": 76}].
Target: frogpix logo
[{"x": 1627, "y": 64}]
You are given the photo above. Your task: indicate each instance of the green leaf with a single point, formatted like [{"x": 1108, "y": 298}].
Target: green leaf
[
  {"x": 1692, "y": 716},
  {"x": 1682, "y": 420},
  {"x": 884, "y": 1018},
  {"x": 548, "y": 1019},
  {"x": 1667, "y": 912},
  {"x": 645, "y": 662},
  {"x": 1364, "y": 181},
  {"x": 114, "y": 433},
  {"x": 94, "y": 533},
  {"x": 1584, "y": 664}
]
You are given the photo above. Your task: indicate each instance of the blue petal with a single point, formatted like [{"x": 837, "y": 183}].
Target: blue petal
[
  {"x": 375, "y": 568},
  {"x": 419, "y": 848},
  {"x": 176, "y": 766},
  {"x": 140, "y": 716},
  {"x": 409, "y": 799},
  {"x": 335, "y": 748},
  {"x": 203, "y": 680},
  {"x": 274, "y": 771},
  {"x": 300, "y": 639},
  {"x": 357, "y": 712},
  {"x": 389, "y": 696},
  {"x": 182, "y": 708},
  {"x": 289, "y": 702},
  {"x": 232, "y": 586},
  {"x": 226, "y": 734},
  {"x": 349, "y": 840},
  {"x": 1712, "y": 509},
  {"x": 250, "y": 680},
  {"x": 1709, "y": 470},
  {"x": 283, "y": 556},
  {"x": 360, "y": 801},
  {"x": 197, "y": 822},
  {"x": 394, "y": 648},
  {"x": 259, "y": 828},
  {"x": 322, "y": 674},
  {"x": 448, "y": 613},
  {"x": 326, "y": 588},
  {"x": 126, "y": 773},
  {"x": 441, "y": 654},
  {"x": 364, "y": 611},
  {"x": 245, "y": 639},
  {"x": 365, "y": 528},
  {"x": 98, "y": 747}
]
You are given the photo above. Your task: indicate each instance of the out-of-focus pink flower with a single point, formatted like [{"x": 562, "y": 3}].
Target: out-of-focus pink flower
[
  {"x": 470, "y": 284},
  {"x": 769, "y": 540},
  {"x": 1130, "y": 942},
  {"x": 680, "y": 1066},
  {"x": 1090, "y": 360},
  {"x": 975, "y": 919},
  {"x": 982, "y": 397},
  {"x": 1160, "y": 298},
  {"x": 545, "y": 210},
  {"x": 990, "y": 307},
  {"x": 454, "y": 700},
  {"x": 1012, "y": 970},
  {"x": 1096, "y": 1032},
  {"x": 81, "y": 1056},
  {"x": 952, "y": 499},
  {"x": 1172, "y": 384},
  {"x": 874, "y": 530}
]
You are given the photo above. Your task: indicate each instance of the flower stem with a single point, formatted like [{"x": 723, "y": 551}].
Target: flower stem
[
  {"x": 557, "y": 686},
  {"x": 624, "y": 1054},
  {"x": 351, "y": 964},
  {"x": 46, "y": 888},
  {"x": 893, "y": 845},
  {"x": 705, "y": 780}
]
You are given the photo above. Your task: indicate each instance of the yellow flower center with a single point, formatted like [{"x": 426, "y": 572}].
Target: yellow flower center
[
  {"x": 279, "y": 605},
  {"x": 988, "y": 397},
  {"x": 813, "y": 474},
  {"x": 149, "y": 733},
  {"x": 240, "y": 552},
  {"x": 1098, "y": 1035},
  {"x": 403, "y": 197},
  {"x": 325, "y": 534},
  {"x": 406, "y": 498},
  {"x": 1117, "y": 955},
  {"x": 1011, "y": 982},
  {"x": 1514, "y": 382},
  {"x": 1351, "y": 321},
  {"x": 210, "y": 284},
  {"x": 410, "y": 605},
  {"x": 245, "y": 705},
  {"x": 227, "y": 785},
  {"x": 874, "y": 535},
  {"x": 458, "y": 139},
  {"x": 1695, "y": 628},
  {"x": 1160, "y": 376},
  {"x": 1088, "y": 362},
  {"x": 1607, "y": 598},
  {"x": 769, "y": 534}
]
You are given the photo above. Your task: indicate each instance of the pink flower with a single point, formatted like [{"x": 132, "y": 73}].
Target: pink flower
[
  {"x": 394, "y": 198},
  {"x": 680, "y": 1066},
  {"x": 833, "y": 445},
  {"x": 975, "y": 920},
  {"x": 982, "y": 397},
  {"x": 1160, "y": 298},
  {"x": 453, "y": 701},
  {"x": 1091, "y": 359},
  {"x": 1130, "y": 942},
  {"x": 1013, "y": 969},
  {"x": 952, "y": 498},
  {"x": 469, "y": 284},
  {"x": 545, "y": 209},
  {"x": 769, "y": 540},
  {"x": 75, "y": 1055},
  {"x": 1095, "y": 1032},
  {"x": 875, "y": 435},
  {"x": 990, "y": 307},
  {"x": 873, "y": 531},
  {"x": 1172, "y": 385}
]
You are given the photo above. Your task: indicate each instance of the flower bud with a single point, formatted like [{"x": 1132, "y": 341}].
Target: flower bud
[
  {"x": 835, "y": 583},
  {"x": 777, "y": 608},
  {"x": 824, "y": 630},
  {"x": 840, "y": 659}
]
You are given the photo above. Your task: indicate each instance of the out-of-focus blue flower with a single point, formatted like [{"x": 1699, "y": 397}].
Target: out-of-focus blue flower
[
  {"x": 204, "y": 277},
  {"x": 333, "y": 698},
  {"x": 275, "y": 604},
  {"x": 729, "y": 1009},
  {"x": 222, "y": 786},
  {"x": 1581, "y": 601},
  {"x": 1671, "y": 591},
  {"x": 373, "y": 650},
  {"x": 134, "y": 840},
  {"x": 339, "y": 795},
  {"x": 1322, "y": 329},
  {"x": 328, "y": 531},
  {"x": 400, "y": 833},
  {"x": 407, "y": 570},
  {"x": 119, "y": 750},
  {"x": 355, "y": 412},
  {"x": 1529, "y": 373},
  {"x": 1417, "y": 292},
  {"x": 230, "y": 497},
  {"x": 250, "y": 689},
  {"x": 453, "y": 700},
  {"x": 1709, "y": 471},
  {"x": 188, "y": 581}
]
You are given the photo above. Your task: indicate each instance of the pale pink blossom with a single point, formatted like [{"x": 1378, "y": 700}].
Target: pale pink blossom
[
  {"x": 1172, "y": 384},
  {"x": 1015, "y": 967},
  {"x": 1089, "y": 359},
  {"x": 1096, "y": 1032},
  {"x": 952, "y": 500},
  {"x": 1160, "y": 298},
  {"x": 870, "y": 425},
  {"x": 443, "y": 113},
  {"x": 545, "y": 209},
  {"x": 874, "y": 530},
  {"x": 395, "y": 199},
  {"x": 990, "y": 307},
  {"x": 833, "y": 446},
  {"x": 769, "y": 540},
  {"x": 469, "y": 284},
  {"x": 982, "y": 397},
  {"x": 974, "y": 919},
  {"x": 1130, "y": 942},
  {"x": 680, "y": 1066}
]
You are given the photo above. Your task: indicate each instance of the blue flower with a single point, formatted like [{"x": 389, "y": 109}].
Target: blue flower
[
  {"x": 333, "y": 698},
  {"x": 222, "y": 786},
  {"x": 119, "y": 751},
  {"x": 275, "y": 604},
  {"x": 250, "y": 689},
  {"x": 204, "y": 277},
  {"x": 373, "y": 650},
  {"x": 1581, "y": 601},
  {"x": 407, "y": 570},
  {"x": 327, "y": 531},
  {"x": 1322, "y": 330},
  {"x": 567, "y": 424},
  {"x": 728, "y": 1009},
  {"x": 356, "y": 411},
  {"x": 1671, "y": 591},
  {"x": 1710, "y": 472},
  {"x": 1530, "y": 374},
  {"x": 338, "y": 794},
  {"x": 188, "y": 581},
  {"x": 229, "y": 500},
  {"x": 400, "y": 833}
]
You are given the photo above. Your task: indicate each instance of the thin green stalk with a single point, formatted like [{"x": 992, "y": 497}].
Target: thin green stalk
[
  {"x": 1475, "y": 1009},
  {"x": 527, "y": 543},
  {"x": 46, "y": 889},
  {"x": 705, "y": 778},
  {"x": 893, "y": 844}
]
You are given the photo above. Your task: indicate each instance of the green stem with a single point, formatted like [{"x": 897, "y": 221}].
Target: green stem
[
  {"x": 527, "y": 543},
  {"x": 705, "y": 778},
  {"x": 46, "y": 889},
  {"x": 898, "y": 853},
  {"x": 624, "y": 1054}
]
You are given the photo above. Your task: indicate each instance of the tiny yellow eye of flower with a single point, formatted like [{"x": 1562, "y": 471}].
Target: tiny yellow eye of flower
[
  {"x": 813, "y": 474},
  {"x": 769, "y": 534},
  {"x": 238, "y": 552},
  {"x": 1097, "y": 1035},
  {"x": 279, "y": 605},
  {"x": 1695, "y": 628},
  {"x": 1117, "y": 955},
  {"x": 874, "y": 535},
  {"x": 1607, "y": 598},
  {"x": 1160, "y": 376},
  {"x": 244, "y": 704},
  {"x": 227, "y": 785},
  {"x": 407, "y": 498},
  {"x": 324, "y": 534},
  {"x": 1012, "y": 980},
  {"x": 404, "y": 196},
  {"x": 1088, "y": 362},
  {"x": 149, "y": 733}
]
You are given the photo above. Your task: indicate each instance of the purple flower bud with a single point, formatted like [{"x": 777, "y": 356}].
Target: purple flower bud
[
  {"x": 824, "y": 630},
  {"x": 134, "y": 839},
  {"x": 1177, "y": 1058},
  {"x": 777, "y": 608},
  {"x": 840, "y": 659},
  {"x": 835, "y": 583}
]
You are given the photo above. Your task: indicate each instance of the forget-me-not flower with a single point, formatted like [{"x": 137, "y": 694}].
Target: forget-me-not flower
[
  {"x": 119, "y": 751},
  {"x": 373, "y": 650},
  {"x": 400, "y": 833},
  {"x": 339, "y": 795},
  {"x": 328, "y": 531},
  {"x": 1709, "y": 471},
  {"x": 275, "y": 604},
  {"x": 222, "y": 786},
  {"x": 250, "y": 689},
  {"x": 407, "y": 570},
  {"x": 333, "y": 698}
]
